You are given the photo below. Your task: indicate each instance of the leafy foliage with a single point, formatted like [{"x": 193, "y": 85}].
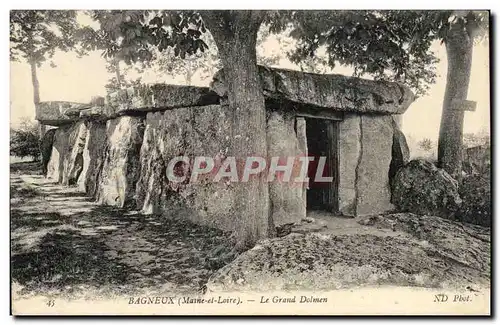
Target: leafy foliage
[
  {"x": 35, "y": 35},
  {"x": 476, "y": 139},
  {"x": 205, "y": 63},
  {"x": 119, "y": 79},
  {"x": 267, "y": 55},
  {"x": 426, "y": 144},
  {"x": 25, "y": 141},
  {"x": 132, "y": 35},
  {"x": 391, "y": 45},
  {"x": 166, "y": 41},
  {"x": 171, "y": 42}
]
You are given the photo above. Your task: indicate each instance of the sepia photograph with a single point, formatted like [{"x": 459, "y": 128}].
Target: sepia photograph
[{"x": 250, "y": 162}]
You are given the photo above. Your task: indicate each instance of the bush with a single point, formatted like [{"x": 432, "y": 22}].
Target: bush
[
  {"x": 476, "y": 139},
  {"x": 426, "y": 144},
  {"x": 25, "y": 141},
  {"x": 475, "y": 192}
]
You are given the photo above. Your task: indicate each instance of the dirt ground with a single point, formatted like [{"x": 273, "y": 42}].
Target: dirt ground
[
  {"x": 64, "y": 244},
  {"x": 326, "y": 252}
]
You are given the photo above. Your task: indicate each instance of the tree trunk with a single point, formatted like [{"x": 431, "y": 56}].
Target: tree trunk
[
  {"x": 235, "y": 33},
  {"x": 459, "y": 52},
  {"x": 189, "y": 73},
  {"x": 119, "y": 78},
  {"x": 36, "y": 95}
]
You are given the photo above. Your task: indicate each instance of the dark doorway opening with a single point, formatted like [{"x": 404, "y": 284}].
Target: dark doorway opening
[{"x": 322, "y": 139}]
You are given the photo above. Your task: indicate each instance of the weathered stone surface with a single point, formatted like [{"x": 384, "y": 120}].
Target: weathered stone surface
[
  {"x": 46, "y": 148},
  {"x": 287, "y": 201},
  {"x": 349, "y": 153},
  {"x": 93, "y": 158},
  {"x": 94, "y": 113},
  {"x": 400, "y": 151},
  {"x": 59, "y": 113},
  {"x": 336, "y": 92},
  {"x": 417, "y": 253},
  {"x": 149, "y": 98},
  {"x": 121, "y": 166},
  {"x": 191, "y": 131},
  {"x": 73, "y": 164},
  {"x": 55, "y": 167},
  {"x": 420, "y": 187},
  {"x": 372, "y": 180},
  {"x": 65, "y": 162}
]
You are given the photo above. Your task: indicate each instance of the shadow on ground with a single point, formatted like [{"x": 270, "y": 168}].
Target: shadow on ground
[
  {"x": 61, "y": 241},
  {"x": 30, "y": 167}
]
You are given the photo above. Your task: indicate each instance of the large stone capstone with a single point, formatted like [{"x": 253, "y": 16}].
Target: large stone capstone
[
  {"x": 422, "y": 188},
  {"x": 57, "y": 113},
  {"x": 158, "y": 97},
  {"x": 134, "y": 101},
  {"x": 333, "y": 91}
]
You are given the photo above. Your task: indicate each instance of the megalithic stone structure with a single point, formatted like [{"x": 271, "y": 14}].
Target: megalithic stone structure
[{"x": 124, "y": 143}]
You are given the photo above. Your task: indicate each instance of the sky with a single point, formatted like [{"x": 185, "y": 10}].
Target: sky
[{"x": 78, "y": 79}]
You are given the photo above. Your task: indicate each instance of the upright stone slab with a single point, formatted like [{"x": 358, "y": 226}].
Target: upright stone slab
[
  {"x": 55, "y": 167},
  {"x": 287, "y": 201},
  {"x": 373, "y": 189},
  {"x": 73, "y": 160},
  {"x": 191, "y": 132},
  {"x": 93, "y": 157},
  {"x": 349, "y": 153},
  {"x": 121, "y": 166},
  {"x": 65, "y": 162},
  {"x": 400, "y": 150},
  {"x": 46, "y": 148}
]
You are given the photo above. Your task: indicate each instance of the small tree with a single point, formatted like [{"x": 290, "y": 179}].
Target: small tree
[
  {"x": 205, "y": 63},
  {"x": 25, "y": 140},
  {"x": 35, "y": 35},
  {"x": 425, "y": 144}
]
